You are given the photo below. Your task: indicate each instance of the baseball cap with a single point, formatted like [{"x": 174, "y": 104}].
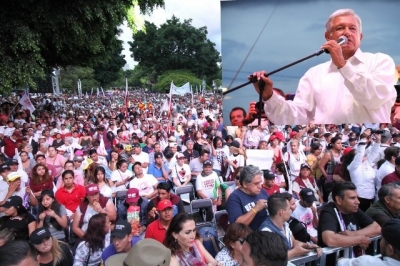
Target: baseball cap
[
  {"x": 386, "y": 136},
  {"x": 13, "y": 176},
  {"x": 293, "y": 133},
  {"x": 268, "y": 175},
  {"x": 347, "y": 150},
  {"x": 162, "y": 205},
  {"x": 173, "y": 144},
  {"x": 121, "y": 229},
  {"x": 135, "y": 145},
  {"x": 307, "y": 195},
  {"x": 179, "y": 155},
  {"x": 4, "y": 167},
  {"x": 79, "y": 153},
  {"x": 158, "y": 155},
  {"x": 352, "y": 139},
  {"x": 13, "y": 162},
  {"x": 92, "y": 189},
  {"x": 39, "y": 235},
  {"x": 304, "y": 165},
  {"x": 146, "y": 252},
  {"x": 128, "y": 147},
  {"x": 172, "y": 139},
  {"x": 78, "y": 158},
  {"x": 207, "y": 162},
  {"x": 132, "y": 195},
  {"x": 13, "y": 201},
  {"x": 17, "y": 133},
  {"x": 235, "y": 144}
]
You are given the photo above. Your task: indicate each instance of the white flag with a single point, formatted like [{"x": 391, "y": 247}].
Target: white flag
[{"x": 26, "y": 103}]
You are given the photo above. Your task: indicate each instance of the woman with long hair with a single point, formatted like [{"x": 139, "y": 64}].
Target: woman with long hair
[
  {"x": 88, "y": 252},
  {"x": 52, "y": 215},
  {"x": 231, "y": 255},
  {"x": 121, "y": 176},
  {"x": 40, "y": 179},
  {"x": 17, "y": 218},
  {"x": 357, "y": 167},
  {"x": 186, "y": 248},
  {"x": 274, "y": 144},
  {"x": 114, "y": 158},
  {"x": 235, "y": 160},
  {"x": 27, "y": 162},
  {"x": 314, "y": 158},
  {"x": 102, "y": 182},
  {"x": 331, "y": 158},
  {"x": 50, "y": 250},
  {"x": 85, "y": 139},
  {"x": 199, "y": 142},
  {"x": 55, "y": 160},
  {"x": 6, "y": 235}
]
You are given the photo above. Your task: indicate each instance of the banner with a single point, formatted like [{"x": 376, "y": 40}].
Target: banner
[
  {"x": 126, "y": 99},
  {"x": 174, "y": 90},
  {"x": 26, "y": 103},
  {"x": 260, "y": 158}
]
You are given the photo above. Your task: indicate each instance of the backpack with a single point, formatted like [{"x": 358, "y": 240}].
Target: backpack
[
  {"x": 299, "y": 230},
  {"x": 209, "y": 238}
]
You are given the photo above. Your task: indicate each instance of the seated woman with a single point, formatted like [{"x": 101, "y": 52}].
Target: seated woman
[
  {"x": 52, "y": 215},
  {"x": 186, "y": 248},
  {"x": 40, "y": 179},
  {"x": 102, "y": 182},
  {"x": 94, "y": 203},
  {"x": 50, "y": 250},
  {"x": 121, "y": 176},
  {"x": 305, "y": 180},
  {"x": 231, "y": 255},
  {"x": 27, "y": 162},
  {"x": 6, "y": 235},
  {"x": 17, "y": 218},
  {"x": 95, "y": 240}
]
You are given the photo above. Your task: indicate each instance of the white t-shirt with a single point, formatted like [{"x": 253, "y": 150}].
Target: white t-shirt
[
  {"x": 106, "y": 191},
  {"x": 207, "y": 184},
  {"x": 180, "y": 172},
  {"x": 221, "y": 153},
  {"x": 145, "y": 184},
  {"x": 142, "y": 157},
  {"x": 118, "y": 176},
  {"x": 306, "y": 216}
]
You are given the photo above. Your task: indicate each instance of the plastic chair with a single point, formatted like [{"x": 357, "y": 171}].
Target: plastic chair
[
  {"x": 185, "y": 190},
  {"x": 203, "y": 204},
  {"x": 118, "y": 195}
]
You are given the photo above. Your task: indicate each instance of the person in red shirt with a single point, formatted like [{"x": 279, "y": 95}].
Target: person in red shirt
[
  {"x": 40, "y": 179},
  {"x": 269, "y": 183},
  {"x": 70, "y": 194},
  {"x": 158, "y": 228},
  {"x": 11, "y": 143}
]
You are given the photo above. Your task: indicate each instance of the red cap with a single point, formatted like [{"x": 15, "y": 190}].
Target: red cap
[
  {"x": 92, "y": 189},
  {"x": 162, "y": 205},
  {"x": 293, "y": 133},
  {"x": 132, "y": 195},
  {"x": 272, "y": 137},
  {"x": 347, "y": 150},
  {"x": 279, "y": 135}
]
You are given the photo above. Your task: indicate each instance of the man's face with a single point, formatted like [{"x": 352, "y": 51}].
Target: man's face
[
  {"x": 159, "y": 161},
  {"x": 346, "y": 25},
  {"x": 350, "y": 201},
  {"x": 166, "y": 214},
  {"x": 157, "y": 148},
  {"x": 207, "y": 169},
  {"x": 269, "y": 183},
  {"x": 138, "y": 169},
  {"x": 68, "y": 180},
  {"x": 254, "y": 188},
  {"x": 163, "y": 194},
  {"x": 17, "y": 183},
  {"x": 393, "y": 202},
  {"x": 305, "y": 172},
  {"x": 41, "y": 160},
  {"x": 204, "y": 157},
  {"x": 237, "y": 117},
  {"x": 122, "y": 244}
]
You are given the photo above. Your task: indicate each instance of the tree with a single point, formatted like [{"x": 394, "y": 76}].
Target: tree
[
  {"x": 71, "y": 74},
  {"x": 178, "y": 77},
  {"x": 174, "y": 46},
  {"x": 38, "y": 35}
]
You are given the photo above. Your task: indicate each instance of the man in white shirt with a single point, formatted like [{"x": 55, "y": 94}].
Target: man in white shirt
[
  {"x": 353, "y": 87},
  {"x": 140, "y": 156},
  {"x": 146, "y": 184},
  {"x": 391, "y": 159},
  {"x": 208, "y": 185}
]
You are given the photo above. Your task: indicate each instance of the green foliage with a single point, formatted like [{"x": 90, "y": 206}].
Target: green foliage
[
  {"x": 179, "y": 77},
  {"x": 71, "y": 74},
  {"x": 175, "y": 46},
  {"x": 38, "y": 35}
]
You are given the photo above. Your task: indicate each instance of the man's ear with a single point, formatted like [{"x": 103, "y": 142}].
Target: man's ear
[{"x": 327, "y": 36}]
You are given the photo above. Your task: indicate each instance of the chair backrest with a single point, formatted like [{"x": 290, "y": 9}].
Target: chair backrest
[
  {"x": 200, "y": 203},
  {"x": 183, "y": 190},
  {"x": 119, "y": 194}
]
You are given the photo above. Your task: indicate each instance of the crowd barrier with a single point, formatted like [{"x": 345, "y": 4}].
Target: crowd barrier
[{"x": 348, "y": 253}]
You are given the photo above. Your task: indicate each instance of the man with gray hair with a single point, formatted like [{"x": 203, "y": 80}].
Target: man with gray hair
[
  {"x": 248, "y": 203},
  {"x": 388, "y": 205},
  {"x": 353, "y": 87}
]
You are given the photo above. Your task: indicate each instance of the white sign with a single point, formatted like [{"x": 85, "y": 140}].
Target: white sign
[{"x": 260, "y": 158}]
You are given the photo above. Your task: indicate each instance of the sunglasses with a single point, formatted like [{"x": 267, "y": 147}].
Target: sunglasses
[{"x": 241, "y": 240}]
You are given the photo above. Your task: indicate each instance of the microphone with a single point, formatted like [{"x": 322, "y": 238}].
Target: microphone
[{"x": 342, "y": 40}]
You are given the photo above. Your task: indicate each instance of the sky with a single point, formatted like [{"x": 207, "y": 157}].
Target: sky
[
  {"x": 202, "y": 12},
  {"x": 294, "y": 29}
]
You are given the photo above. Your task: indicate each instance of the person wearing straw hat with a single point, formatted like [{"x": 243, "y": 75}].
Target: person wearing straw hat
[{"x": 147, "y": 252}]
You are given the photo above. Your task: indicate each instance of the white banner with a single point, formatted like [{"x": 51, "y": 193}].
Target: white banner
[
  {"x": 260, "y": 158},
  {"x": 26, "y": 103},
  {"x": 180, "y": 90}
]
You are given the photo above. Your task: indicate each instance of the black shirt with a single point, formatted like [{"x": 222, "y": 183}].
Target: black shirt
[
  {"x": 67, "y": 259},
  {"x": 20, "y": 226}
]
